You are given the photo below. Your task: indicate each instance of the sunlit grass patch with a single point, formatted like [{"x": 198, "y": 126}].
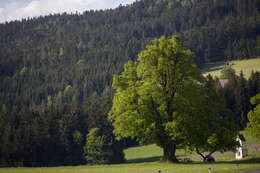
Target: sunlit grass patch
[{"x": 247, "y": 66}]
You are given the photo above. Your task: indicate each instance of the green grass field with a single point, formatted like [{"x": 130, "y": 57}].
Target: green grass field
[
  {"x": 247, "y": 66},
  {"x": 153, "y": 167},
  {"x": 145, "y": 159},
  {"x": 153, "y": 153},
  {"x": 149, "y": 153}
]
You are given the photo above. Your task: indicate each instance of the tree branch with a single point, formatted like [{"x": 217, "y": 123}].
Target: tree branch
[{"x": 198, "y": 152}]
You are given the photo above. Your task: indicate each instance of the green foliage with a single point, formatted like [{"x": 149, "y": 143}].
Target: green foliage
[
  {"x": 255, "y": 100},
  {"x": 246, "y": 66},
  {"x": 253, "y": 125},
  {"x": 41, "y": 138},
  {"x": 47, "y": 63},
  {"x": 249, "y": 138},
  {"x": 55, "y": 135},
  {"x": 41, "y": 56},
  {"x": 227, "y": 72},
  {"x": 237, "y": 92},
  {"x": 102, "y": 149},
  {"x": 213, "y": 125},
  {"x": 93, "y": 150},
  {"x": 77, "y": 137},
  {"x": 163, "y": 95},
  {"x": 148, "y": 92}
]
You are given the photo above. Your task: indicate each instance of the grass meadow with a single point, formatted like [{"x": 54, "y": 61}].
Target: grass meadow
[
  {"x": 151, "y": 167},
  {"x": 146, "y": 159},
  {"x": 247, "y": 66}
]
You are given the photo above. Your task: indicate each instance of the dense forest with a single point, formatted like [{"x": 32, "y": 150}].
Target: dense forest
[{"x": 56, "y": 71}]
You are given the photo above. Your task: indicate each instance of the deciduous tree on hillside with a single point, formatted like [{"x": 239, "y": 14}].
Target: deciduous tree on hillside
[
  {"x": 156, "y": 97},
  {"x": 208, "y": 126}
]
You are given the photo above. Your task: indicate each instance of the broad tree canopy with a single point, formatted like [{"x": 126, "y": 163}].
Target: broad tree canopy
[
  {"x": 154, "y": 95},
  {"x": 207, "y": 124}
]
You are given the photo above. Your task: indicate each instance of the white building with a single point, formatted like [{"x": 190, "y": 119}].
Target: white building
[{"x": 241, "y": 150}]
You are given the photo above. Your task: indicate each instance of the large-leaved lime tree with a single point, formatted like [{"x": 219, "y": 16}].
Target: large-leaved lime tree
[{"x": 155, "y": 98}]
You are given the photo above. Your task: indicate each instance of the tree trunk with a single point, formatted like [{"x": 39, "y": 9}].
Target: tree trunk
[
  {"x": 169, "y": 153},
  {"x": 202, "y": 156},
  {"x": 205, "y": 157}
]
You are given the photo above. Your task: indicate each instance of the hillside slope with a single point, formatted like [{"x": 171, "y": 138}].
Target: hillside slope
[
  {"x": 66, "y": 57},
  {"x": 246, "y": 66}
]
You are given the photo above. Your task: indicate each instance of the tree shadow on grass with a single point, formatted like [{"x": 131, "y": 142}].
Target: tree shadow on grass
[
  {"x": 249, "y": 160},
  {"x": 245, "y": 161},
  {"x": 214, "y": 66},
  {"x": 148, "y": 159},
  {"x": 144, "y": 160}
]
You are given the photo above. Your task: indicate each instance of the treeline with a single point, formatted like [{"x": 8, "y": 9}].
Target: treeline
[
  {"x": 59, "y": 135},
  {"x": 74, "y": 134},
  {"x": 65, "y": 57},
  {"x": 237, "y": 91}
]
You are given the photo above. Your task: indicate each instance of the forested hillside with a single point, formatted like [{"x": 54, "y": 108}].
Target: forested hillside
[
  {"x": 67, "y": 57},
  {"x": 56, "y": 71}
]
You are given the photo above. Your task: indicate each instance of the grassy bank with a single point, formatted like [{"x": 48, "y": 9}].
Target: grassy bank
[{"x": 247, "y": 66}]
